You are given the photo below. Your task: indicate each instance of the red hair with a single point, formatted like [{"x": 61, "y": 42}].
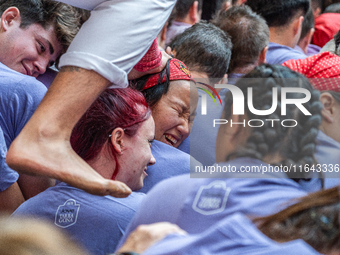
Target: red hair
[{"x": 124, "y": 108}]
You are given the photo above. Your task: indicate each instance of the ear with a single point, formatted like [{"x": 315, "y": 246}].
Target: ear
[
  {"x": 10, "y": 17},
  {"x": 163, "y": 32},
  {"x": 262, "y": 57},
  {"x": 224, "y": 80},
  {"x": 328, "y": 103},
  {"x": 194, "y": 13},
  {"x": 317, "y": 12},
  {"x": 170, "y": 52},
  {"x": 297, "y": 25},
  {"x": 117, "y": 140}
]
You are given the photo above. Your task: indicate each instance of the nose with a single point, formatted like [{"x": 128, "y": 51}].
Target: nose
[
  {"x": 152, "y": 161},
  {"x": 40, "y": 65},
  {"x": 184, "y": 127}
]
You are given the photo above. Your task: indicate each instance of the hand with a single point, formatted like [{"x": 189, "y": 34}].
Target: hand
[
  {"x": 134, "y": 74},
  {"x": 147, "y": 235}
]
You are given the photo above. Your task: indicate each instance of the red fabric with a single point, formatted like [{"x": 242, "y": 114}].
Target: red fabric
[
  {"x": 151, "y": 59},
  {"x": 178, "y": 71},
  {"x": 323, "y": 70},
  {"x": 326, "y": 26}
]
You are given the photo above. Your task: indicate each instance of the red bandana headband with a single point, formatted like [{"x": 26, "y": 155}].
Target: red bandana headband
[
  {"x": 323, "y": 70},
  {"x": 178, "y": 71}
]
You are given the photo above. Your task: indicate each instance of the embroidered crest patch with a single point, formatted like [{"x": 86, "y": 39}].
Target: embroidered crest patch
[
  {"x": 67, "y": 214},
  {"x": 212, "y": 198}
]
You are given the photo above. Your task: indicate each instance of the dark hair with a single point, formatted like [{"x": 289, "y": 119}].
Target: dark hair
[
  {"x": 64, "y": 18},
  {"x": 333, "y": 8},
  {"x": 337, "y": 41},
  {"x": 327, "y": 3},
  {"x": 335, "y": 95},
  {"x": 314, "y": 219},
  {"x": 153, "y": 94},
  {"x": 296, "y": 145},
  {"x": 307, "y": 24},
  {"x": 249, "y": 34},
  {"x": 182, "y": 7},
  {"x": 204, "y": 48},
  {"x": 124, "y": 108},
  {"x": 279, "y": 13},
  {"x": 316, "y": 4}
]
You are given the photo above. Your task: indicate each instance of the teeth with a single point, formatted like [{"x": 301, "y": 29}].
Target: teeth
[{"x": 171, "y": 139}]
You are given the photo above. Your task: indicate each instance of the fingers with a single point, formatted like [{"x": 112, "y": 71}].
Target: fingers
[{"x": 147, "y": 235}]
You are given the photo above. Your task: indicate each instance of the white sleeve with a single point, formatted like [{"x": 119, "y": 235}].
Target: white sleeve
[{"x": 116, "y": 37}]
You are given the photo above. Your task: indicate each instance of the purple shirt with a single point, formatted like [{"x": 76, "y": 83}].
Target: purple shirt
[
  {"x": 176, "y": 28},
  {"x": 328, "y": 153},
  {"x": 20, "y": 95},
  {"x": 233, "y": 235},
  {"x": 96, "y": 222},
  {"x": 7, "y": 175},
  {"x": 278, "y": 54},
  {"x": 311, "y": 49},
  {"x": 194, "y": 204}
]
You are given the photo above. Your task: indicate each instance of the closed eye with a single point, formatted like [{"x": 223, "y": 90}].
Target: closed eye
[
  {"x": 42, "y": 47},
  {"x": 151, "y": 141}
]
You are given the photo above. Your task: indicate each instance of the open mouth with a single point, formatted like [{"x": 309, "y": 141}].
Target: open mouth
[{"x": 171, "y": 140}]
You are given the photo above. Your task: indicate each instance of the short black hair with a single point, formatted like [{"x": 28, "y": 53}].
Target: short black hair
[
  {"x": 153, "y": 94},
  {"x": 204, "y": 48},
  {"x": 249, "y": 34},
  {"x": 182, "y": 7},
  {"x": 279, "y": 13},
  {"x": 307, "y": 24}
]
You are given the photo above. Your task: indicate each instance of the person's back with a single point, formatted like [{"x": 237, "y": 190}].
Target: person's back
[
  {"x": 284, "y": 19},
  {"x": 81, "y": 214}
]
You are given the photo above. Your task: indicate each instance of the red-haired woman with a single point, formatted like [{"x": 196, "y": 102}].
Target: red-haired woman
[{"x": 114, "y": 137}]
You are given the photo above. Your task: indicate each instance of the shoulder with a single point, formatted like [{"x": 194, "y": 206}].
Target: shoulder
[
  {"x": 21, "y": 85},
  {"x": 277, "y": 54}
]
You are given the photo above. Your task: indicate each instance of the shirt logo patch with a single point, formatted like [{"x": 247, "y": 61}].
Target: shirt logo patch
[
  {"x": 212, "y": 198},
  {"x": 67, "y": 214}
]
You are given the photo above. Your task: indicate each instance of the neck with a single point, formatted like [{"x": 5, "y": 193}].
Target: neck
[
  {"x": 244, "y": 69},
  {"x": 282, "y": 36},
  {"x": 103, "y": 164},
  {"x": 187, "y": 20}
]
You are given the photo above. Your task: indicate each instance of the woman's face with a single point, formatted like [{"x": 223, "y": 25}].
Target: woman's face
[
  {"x": 136, "y": 156},
  {"x": 172, "y": 114}
]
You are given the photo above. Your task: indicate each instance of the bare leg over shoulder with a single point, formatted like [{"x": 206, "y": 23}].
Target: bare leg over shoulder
[{"x": 44, "y": 143}]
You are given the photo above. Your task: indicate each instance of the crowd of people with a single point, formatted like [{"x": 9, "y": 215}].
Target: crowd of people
[{"x": 136, "y": 127}]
